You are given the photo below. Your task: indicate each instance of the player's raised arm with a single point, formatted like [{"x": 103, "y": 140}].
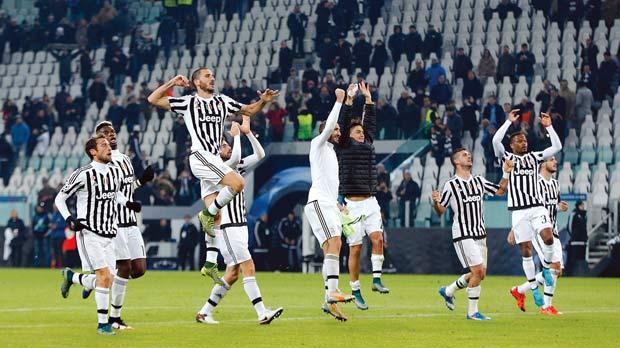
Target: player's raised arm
[
  {"x": 370, "y": 112},
  {"x": 258, "y": 153},
  {"x": 556, "y": 144},
  {"x": 235, "y": 156},
  {"x": 498, "y": 147},
  {"x": 332, "y": 119},
  {"x": 254, "y": 108},
  {"x": 159, "y": 98}
]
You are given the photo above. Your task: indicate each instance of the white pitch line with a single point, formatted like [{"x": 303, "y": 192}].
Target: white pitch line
[{"x": 189, "y": 322}]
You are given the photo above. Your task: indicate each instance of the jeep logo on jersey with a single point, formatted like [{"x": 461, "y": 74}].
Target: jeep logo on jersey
[
  {"x": 209, "y": 118},
  {"x": 127, "y": 180},
  {"x": 524, "y": 172},
  {"x": 106, "y": 195},
  {"x": 472, "y": 199},
  {"x": 552, "y": 201}
]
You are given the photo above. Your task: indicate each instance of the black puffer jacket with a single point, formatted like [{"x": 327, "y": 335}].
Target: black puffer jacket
[{"x": 356, "y": 161}]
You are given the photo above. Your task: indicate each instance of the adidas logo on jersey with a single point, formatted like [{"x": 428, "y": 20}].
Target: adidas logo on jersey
[
  {"x": 472, "y": 199},
  {"x": 524, "y": 172}
]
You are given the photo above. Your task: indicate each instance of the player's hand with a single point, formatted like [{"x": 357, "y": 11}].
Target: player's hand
[
  {"x": 563, "y": 206},
  {"x": 436, "y": 196},
  {"x": 245, "y": 125},
  {"x": 365, "y": 90},
  {"x": 513, "y": 115},
  {"x": 234, "y": 129},
  {"x": 339, "y": 95},
  {"x": 352, "y": 90},
  {"x": 268, "y": 95},
  {"x": 508, "y": 166},
  {"x": 545, "y": 119},
  {"x": 511, "y": 238},
  {"x": 180, "y": 81},
  {"x": 74, "y": 225},
  {"x": 148, "y": 175},
  {"x": 135, "y": 206}
]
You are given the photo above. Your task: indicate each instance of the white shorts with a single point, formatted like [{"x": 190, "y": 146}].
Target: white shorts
[
  {"x": 371, "y": 223},
  {"x": 96, "y": 252},
  {"x": 472, "y": 252},
  {"x": 324, "y": 219},
  {"x": 129, "y": 244},
  {"x": 527, "y": 223},
  {"x": 557, "y": 249},
  {"x": 209, "y": 169},
  {"x": 233, "y": 244}
]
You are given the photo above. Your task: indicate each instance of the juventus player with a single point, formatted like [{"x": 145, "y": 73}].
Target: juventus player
[
  {"x": 464, "y": 193},
  {"x": 232, "y": 236},
  {"x": 322, "y": 209},
  {"x": 204, "y": 113},
  {"x": 529, "y": 216},
  {"x": 98, "y": 188},
  {"x": 549, "y": 189},
  {"x": 128, "y": 244}
]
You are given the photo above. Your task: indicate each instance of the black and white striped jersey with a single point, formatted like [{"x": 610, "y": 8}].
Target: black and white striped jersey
[
  {"x": 204, "y": 118},
  {"x": 549, "y": 191},
  {"x": 233, "y": 214},
  {"x": 97, "y": 187},
  {"x": 466, "y": 198},
  {"x": 129, "y": 183},
  {"x": 523, "y": 186}
]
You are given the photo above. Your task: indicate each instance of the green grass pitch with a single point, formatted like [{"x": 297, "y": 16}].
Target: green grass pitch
[{"x": 162, "y": 305}]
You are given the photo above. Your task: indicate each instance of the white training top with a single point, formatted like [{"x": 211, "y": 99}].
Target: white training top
[{"x": 324, "y": 163}]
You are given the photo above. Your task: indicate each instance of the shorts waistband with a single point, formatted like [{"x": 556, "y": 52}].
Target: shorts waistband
[
  {"x": 237, "y": 224},
  {"x": 454, "y": 240},
  {"x": 129, "y": 224},
  {"x": 525, "y": 207}
]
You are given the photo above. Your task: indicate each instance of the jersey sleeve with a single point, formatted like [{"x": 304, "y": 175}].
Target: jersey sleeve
[
  {"x": 231, "y": 105},
  {"x": 179, "y": 105},
  {"x": 446, "y": 195},
  {"x": 488, "y": 187},
  {"x": 538, "y": 156},
  {"x": 74, "y": 183}
]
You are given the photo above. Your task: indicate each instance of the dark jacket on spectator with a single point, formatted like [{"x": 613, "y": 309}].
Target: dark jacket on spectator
[
  {"x": 525, "y": 66},
  {"x": 461, "y": 65},
  {"x": 361, "y": 53},
  {"x": 413, "y": 45},
  {"x": 472, "y": 88},
  {"x": 505, "y": 66}
]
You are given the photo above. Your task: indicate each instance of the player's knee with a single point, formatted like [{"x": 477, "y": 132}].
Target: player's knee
[
  {"x": 137, "y": 272},
  {"x": 355, "y": 250},
  {"x": 482, "y": 273},
  {"x": 248, "y": 269},
  {"x": 238, "y": 184},
  {"x": 377, "y": 238}
]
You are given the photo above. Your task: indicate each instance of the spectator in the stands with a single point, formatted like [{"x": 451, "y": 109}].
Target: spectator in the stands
[
  {"x": 472, "y": 87},
  {"x": 157, "y": 231},
  {"x": 488, "y": 131},
  {"x": 244, "y": 93},
  {"x": 293, "y": 84},
  {"x": 188, "y": 240},
  {"x": 525, "y": 63},
  {"x": 167, "y": 33},
  {"x": 407, "y": 191},
  {"x": 361, "y": 53},
  {"x": 379, "y": 57},
  {"x": 432, "y": 42},
  {"x": 323, "y": 12},
  {"x": 494, "y": 112},
  {"x": 583, "y": 105},
  {"x": 374, "y": 11},
  {"x": 115, "y": 114},
  {"x": 387, "y": 119},
  {"x": 97, "y": 92},
  {"x": 506, "y": 6},
  {"x": 413, "y": 44},
  {"x": 433, "y": 72},
  {"x": 588, "y": 77},
  {"x": 310, "y": 74},
  {"x": 132, "y": 113},
  {"x": 383, "y": 175},
  {"x": 441, "y": 92},
  {"x": 64, "y": 58},
  {"x": 344, "y": 57},
  {"x": 20, "y": 136},
  {"x": 6, "y": 159},
  {"x": 588, "y": 55},
  {"x": 86, "y": 70},
  {"x": 468, "y": 114},
  {"x": 461, "y": 64},
  {"x": 296, "y": 23},
  {"x": 557, "y": 104},
  {"x": 384, "y": 197},
  {"x": 276, "y": 116},
  {"x": 329, "y": 82},
  {"x": 184, "y": 193},
  {"x": 327, "y": 53},
  {"x": 228, "y": 89},
  {"x": 544, "y": 96},
  {"x": 417, "y": 77},
  {"x": 138, "y": 157},
  {"x": 163, "y": 197},
  {"x": 408, "y": 115},
  {"x": 454, "y": 122},
  {"x": 486, "y": 66},
  {"x": 569, "y": 96},
  {"x": 506, "y": 65},
  {"x": 396, "y": 44},
  {"x": 13, "y": 33},
  {"x": 320, "y": 105},
  {"x": 286, "y": 60},
  {"x": 118, "y": 70},
  {"x": 526, "y": 111},
  {"x": 441, "y": 142},
  {"x": 608, "y": 85}
]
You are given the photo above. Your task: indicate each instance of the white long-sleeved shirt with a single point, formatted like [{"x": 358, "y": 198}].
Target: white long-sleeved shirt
[
  {"x": 324, "y": 163},
  {"x": 98, "y": 189}
]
